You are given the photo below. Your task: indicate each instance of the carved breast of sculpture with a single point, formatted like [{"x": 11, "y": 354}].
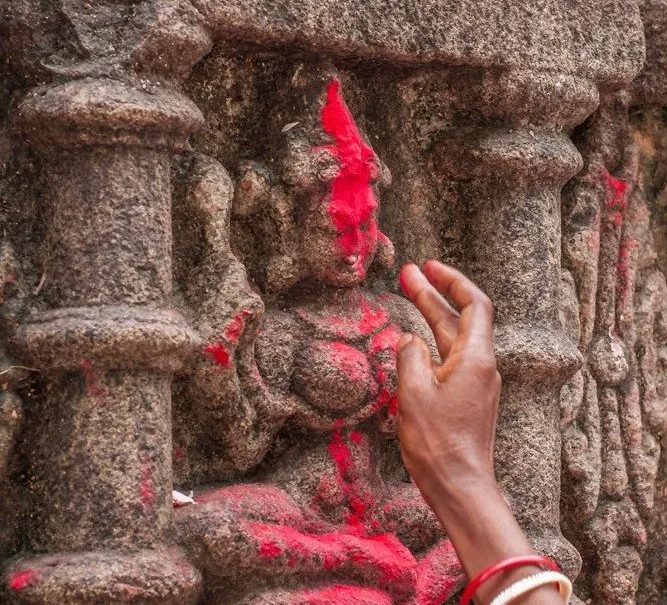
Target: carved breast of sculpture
[{"x": 298, "y": 395}]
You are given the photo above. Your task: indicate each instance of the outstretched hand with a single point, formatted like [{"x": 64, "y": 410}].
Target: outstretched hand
[
  {"x": 447, "y": 413},
  {"x": 448, "y": 410}
]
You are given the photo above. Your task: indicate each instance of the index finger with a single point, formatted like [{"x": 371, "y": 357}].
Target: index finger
[{"x": 475, "y": 308}]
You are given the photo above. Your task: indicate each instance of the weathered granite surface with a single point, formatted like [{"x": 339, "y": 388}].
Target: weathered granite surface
[{"x": 203, "y": 207}]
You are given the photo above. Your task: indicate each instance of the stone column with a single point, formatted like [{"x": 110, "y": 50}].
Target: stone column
[
  {"x": 511, "y": 167},
  {"x": 108, "y": 344}
]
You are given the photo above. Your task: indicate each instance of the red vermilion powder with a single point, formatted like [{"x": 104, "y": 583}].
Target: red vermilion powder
[
  {"x": 218, "y": 353},
  {"x": 372, "y": 318},
  {"x": 618, "y": 189},
  {"x": 22, "y": 580},
  {"x": 91, "y": 381},
  {"x": 234, "y": 330},
  {"x": 352, "y": 200},
  {"x": 146, "y": 488}
]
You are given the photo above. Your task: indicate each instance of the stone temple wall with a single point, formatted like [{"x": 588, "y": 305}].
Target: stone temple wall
[{"x": 203, "y": 206}]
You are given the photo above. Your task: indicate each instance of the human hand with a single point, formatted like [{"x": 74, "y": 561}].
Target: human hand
[{"x": 448, "y": 410}]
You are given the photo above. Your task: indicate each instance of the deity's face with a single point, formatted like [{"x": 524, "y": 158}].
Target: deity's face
[{"x": 340, "y": 230}]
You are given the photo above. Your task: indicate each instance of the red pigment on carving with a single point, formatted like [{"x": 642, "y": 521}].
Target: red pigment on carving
[
  {"x": 618, "y": 199},
  {"x": 146, "y": 488},
  {"x": 439, "y": 575},
  {"x": 372, "y": 319},
  {"x": 218, "y": 354},
  {"x": 343, "y": 595},
  {"x": 22, "y": 580},
  {"x": 234, "y": 330},
  {"x": 353, "y": 201},
  {"x": 618, "y": 189},
  {"x": 90, "y": 379},
  {"x": 386, "y": 340},
  {"x": 350, "y": 361},
  {"x": 387, "y": 397},
  {"x": 384, "y": 554}
]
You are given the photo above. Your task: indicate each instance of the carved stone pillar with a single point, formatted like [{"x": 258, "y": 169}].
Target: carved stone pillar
[
  {"x": 511, "y": 175},
  {"x": 102, "y": 331}
]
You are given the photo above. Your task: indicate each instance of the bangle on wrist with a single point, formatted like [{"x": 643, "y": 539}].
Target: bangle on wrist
[
  {"x": 526, "y": 585},
  {"x": 502, "y": 566}
]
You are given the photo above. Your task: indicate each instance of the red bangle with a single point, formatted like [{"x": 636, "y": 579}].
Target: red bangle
[{"x": 506, "y": 565}]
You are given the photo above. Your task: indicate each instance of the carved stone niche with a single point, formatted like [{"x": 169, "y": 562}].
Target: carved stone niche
[{"x": 218, "y": 313}]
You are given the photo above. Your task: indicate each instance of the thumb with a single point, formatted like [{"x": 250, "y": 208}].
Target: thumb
[{"x": 413, "y": 361}]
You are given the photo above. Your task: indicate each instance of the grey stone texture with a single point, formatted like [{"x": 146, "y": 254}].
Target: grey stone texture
[{"x": 178, "y": 310}]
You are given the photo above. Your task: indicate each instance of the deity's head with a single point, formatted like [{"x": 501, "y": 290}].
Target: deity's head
[
  {"x": 331, "y": 174},
  {"x": 339, "y": 229}
]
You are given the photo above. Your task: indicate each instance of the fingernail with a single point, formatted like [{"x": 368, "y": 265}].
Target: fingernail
[{"x": 404, "y": 340}]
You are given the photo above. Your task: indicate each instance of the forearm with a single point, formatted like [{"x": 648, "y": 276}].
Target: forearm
[{"x": 483, "y": 530}]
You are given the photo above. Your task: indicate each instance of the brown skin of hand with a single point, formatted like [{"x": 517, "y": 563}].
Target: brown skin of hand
[{"x": 447, "y": 422}]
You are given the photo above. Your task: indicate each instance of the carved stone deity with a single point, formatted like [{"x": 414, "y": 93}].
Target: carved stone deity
[{"x": 297, "y": 398}]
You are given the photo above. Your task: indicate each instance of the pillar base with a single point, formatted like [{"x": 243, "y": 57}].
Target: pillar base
[{"x": 146, "y": 577}]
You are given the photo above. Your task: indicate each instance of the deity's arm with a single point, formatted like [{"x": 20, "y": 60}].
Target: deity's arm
[{"x": 239, "y": 413}]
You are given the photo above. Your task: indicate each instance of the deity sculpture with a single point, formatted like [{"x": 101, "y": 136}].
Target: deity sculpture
[{"x": 297, "y": 395}]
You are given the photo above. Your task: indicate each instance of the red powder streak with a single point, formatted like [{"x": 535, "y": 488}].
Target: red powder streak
[
  {"x": 218, "y": 354},
  {"x": 384, "y": 554},
  {"x": 343, "y": 595},
  {"x": 439, "y": 575},
  {"x": 618, "y": 189},
  {"x": 372, "y": 319},
  {"x": 386, "y": 340},
  {"x": 22, "y": 580},
  {"x": 386, "y": 396},
  {"x": 234, "y": 330},
  {"x": 352, "y": 200},
  {"x": 146, "y": 488},
  {"x": 90, "y": 379}
]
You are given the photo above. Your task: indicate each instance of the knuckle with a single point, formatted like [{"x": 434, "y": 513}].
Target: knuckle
[
  {"x": 484, "y": 302},
  {"x": 485, "y": 365}
]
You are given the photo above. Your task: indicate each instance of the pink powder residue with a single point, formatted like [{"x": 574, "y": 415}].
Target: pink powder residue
[
  {"x": 384, "y": 554},
  {"x": 618, "y": 189},
  {"x": 22, "y": 580},
  {"x": 91, "y": 381},
  {"x": 350, "y": 361},
  {"x": 218, "y": 354},
  {"x": 353, "y": 201},
  {"x": 146, "y": 487},
  {"x": 386, "y": 340},
  {"x": 372, "y": 318},
  {"x": 234, "y": 330},
  {"x": 343, "y": 595},
  {"x": 618, "y": 198}
]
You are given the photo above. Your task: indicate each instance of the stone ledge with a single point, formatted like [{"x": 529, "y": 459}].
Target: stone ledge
[
  {"x": 107, "y": 112},
  {"x": 145, "y": 577},
  {"x": 111, "y": 336}
]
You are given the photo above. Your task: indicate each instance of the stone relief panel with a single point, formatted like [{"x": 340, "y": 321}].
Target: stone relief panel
[
  {"x": 218, "y": 312},
  {"x": 614, "y": 410},
  {"x": 294, "y": 389}
]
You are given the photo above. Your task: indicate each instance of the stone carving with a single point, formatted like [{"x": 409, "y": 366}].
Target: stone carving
[
  {"x": 613, "y": 410},
  {"x": 472, "y": 107},
  {"x": 332, "y": 506}
]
